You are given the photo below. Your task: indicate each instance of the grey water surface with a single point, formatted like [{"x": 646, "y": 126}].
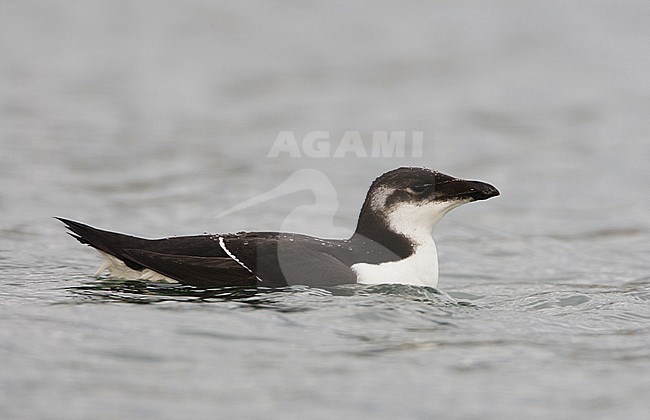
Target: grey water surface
[{"x": 153, "y": 117}]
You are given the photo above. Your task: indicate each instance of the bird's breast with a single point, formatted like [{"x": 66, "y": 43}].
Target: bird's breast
[{"x": 420, "y": 269}]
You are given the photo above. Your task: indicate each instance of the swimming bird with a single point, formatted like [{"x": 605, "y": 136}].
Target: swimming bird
[{"x": 392, "y": 243}]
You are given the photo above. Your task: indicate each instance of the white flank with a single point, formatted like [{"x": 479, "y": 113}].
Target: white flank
[{"x": 119, "y": 270}]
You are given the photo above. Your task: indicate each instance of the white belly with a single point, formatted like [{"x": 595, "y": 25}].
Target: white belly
[
  {"x": 121, "y": 271},
  {"x": 420, "y": 269}
]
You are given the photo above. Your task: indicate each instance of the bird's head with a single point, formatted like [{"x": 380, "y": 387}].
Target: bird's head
[{"x": 411, "y": 201}]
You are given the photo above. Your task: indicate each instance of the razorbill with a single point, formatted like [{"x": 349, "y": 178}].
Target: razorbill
[{"x": 392, "y": 243}]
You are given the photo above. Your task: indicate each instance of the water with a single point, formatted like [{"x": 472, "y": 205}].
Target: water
[{"x": 153, "y": 117}]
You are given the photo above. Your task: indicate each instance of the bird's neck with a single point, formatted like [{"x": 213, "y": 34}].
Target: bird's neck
[{"x": 374, "y": 233}]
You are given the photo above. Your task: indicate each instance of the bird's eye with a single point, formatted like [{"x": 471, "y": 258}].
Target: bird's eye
[{"x": 417, "y": 189}]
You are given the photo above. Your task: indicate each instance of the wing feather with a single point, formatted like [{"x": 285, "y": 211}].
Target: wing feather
[{"x": 193, "y": 270}]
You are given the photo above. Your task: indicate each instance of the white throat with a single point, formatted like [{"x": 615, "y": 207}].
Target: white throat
[{"x": 416, "y": 222}]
